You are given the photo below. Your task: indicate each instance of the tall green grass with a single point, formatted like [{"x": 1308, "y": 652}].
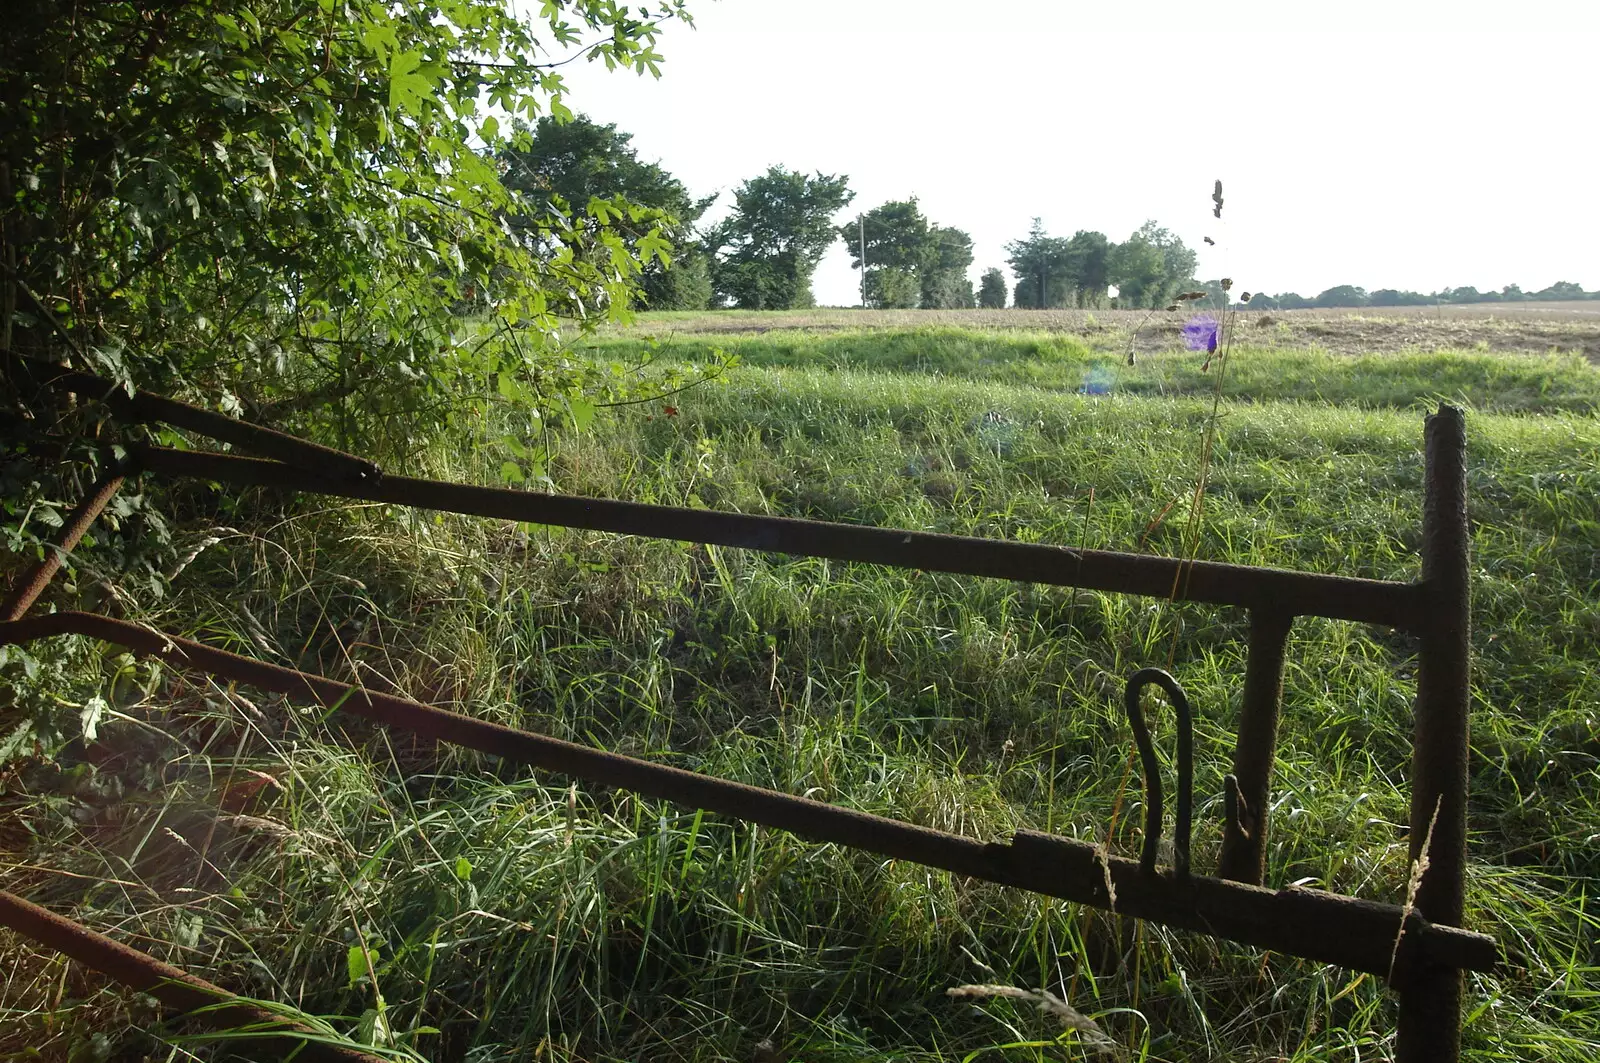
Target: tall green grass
[
  {"x": 525, "y": 918},
  {"x": 1097, "y": 363}
]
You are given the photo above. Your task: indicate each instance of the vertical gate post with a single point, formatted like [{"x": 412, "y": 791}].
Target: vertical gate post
[
  {"x": 1244, "y": 837},
  {"x": 1430, "y": 999}
]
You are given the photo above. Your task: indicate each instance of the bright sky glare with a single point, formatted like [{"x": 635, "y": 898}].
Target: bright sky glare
[{"x": 1413, "y": 144}]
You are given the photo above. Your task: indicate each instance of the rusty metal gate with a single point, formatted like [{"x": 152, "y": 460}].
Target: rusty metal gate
[{"x": 1419, "y": 947}]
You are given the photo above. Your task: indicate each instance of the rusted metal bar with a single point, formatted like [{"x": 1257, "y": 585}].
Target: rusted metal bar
[
  {"x": 176, "y": 989},
  {"x": 145, "y": 406},
  {"x": 1152, "y": 770},
  {"x": 1430, "y": 1000},
  {"x": 28, "y": 589},
  {"x": 1340, "y": 597},
  {"x": 1248, "y": 796},
  {"x": 1320, "y": 926}
]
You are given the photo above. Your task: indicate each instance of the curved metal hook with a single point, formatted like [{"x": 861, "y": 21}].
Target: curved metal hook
[{"x": 1152, "y": 770}]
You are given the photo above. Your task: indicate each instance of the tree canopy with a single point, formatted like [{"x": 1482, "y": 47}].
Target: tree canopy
[
  {"x": 1056, "y": 272},
  {"x": 1043, "y": 267},
  {"x": 910, "y": 261},
  {"x": 1150, "y": 267},
  {"x": 1350, "y": 295},
  {"x": 766, "y": 250},
  {"x": 943, "y": 270},
  {"x": 567, "y": 165},
  {"x": 992, "y": 290},
  {"x": 277, "y": 204}
]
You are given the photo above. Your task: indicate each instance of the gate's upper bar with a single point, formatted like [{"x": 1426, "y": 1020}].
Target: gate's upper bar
[
  {"x": 1282, "y": 591},
  {"x": 147, "y": 406}
]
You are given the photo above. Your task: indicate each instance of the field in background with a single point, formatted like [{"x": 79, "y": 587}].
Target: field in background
[
  {"x": 348, "y": 872},
  {"x": 1540, "y": 327}
]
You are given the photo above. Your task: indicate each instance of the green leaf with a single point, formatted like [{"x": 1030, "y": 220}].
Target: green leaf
[
  {"x": 582, "y": 411},
  {"x": 654, "y": 244},
  {"x": 355, "y": 961},
  {"x": 407, "y": 88},
  {"x": 511, "y": 472},
  {"x": 511, "y": 389},
  {"x": 463, "y": 869}
]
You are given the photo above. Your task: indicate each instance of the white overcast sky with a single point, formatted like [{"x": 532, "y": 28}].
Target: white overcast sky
[{"x": 1397, "y": 144}]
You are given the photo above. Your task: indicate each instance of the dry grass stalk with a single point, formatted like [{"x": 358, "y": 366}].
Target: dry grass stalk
[{"x": 1088, "y": 1031}]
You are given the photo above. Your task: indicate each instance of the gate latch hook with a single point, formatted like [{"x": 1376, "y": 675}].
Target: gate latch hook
[{"x": 1152, "y": 770}]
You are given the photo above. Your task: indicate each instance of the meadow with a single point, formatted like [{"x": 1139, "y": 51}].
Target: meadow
[{"x": 451, "y": 907}]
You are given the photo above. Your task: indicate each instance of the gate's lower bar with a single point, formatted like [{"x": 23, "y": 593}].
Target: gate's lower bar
[
  {"x": 174, "y": 988},
  {"x": 1361, "y": 935},
  {"x": 1279, "y": 590}
]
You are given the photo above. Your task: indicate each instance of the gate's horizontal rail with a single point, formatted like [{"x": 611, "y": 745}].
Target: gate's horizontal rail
[
  {"x": 145, "y": 406},
  {"x": 1353, "y": 933},
  {"x": 175, "y": 988},
  {"x": 1279, "y": 590}
]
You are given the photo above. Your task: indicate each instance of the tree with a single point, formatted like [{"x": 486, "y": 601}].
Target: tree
[
  {"x": 564, "y": 166},
  {"x": 891, "y": 288},
  {"x": 943, "y": 270},
  {"x": 1293, "y": 301},
  {"x": 1043, "y": 267},
  {"x": 896, "y": 237},
  {"x": 287, "y": 203},
  {"x": 1089, "y": 266},
  {"x": 1562, "y": 290},
  {"x": 901, "y": 241},
  {"x": 1392, "y": 297},
  {"x": 992, "y": 290},
  {"x": 1150, "y": 267},
  {"x": 1342, "y": 295},
  {"x": 1216, "y": 296},
  {"x": 765, "y": 252}
]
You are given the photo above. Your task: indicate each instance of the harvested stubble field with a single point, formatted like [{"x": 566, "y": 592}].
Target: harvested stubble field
[
  {"x": 1537, "y": 327},
  {"x": 416, "y": 889}
]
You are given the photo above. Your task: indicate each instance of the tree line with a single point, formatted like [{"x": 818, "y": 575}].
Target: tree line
[
  {"x": 1349, "y": 295},
  {"x": 763, "y": 254}
]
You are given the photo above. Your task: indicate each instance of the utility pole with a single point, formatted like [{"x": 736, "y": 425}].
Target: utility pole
[{"x": 861, "y": 223}]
